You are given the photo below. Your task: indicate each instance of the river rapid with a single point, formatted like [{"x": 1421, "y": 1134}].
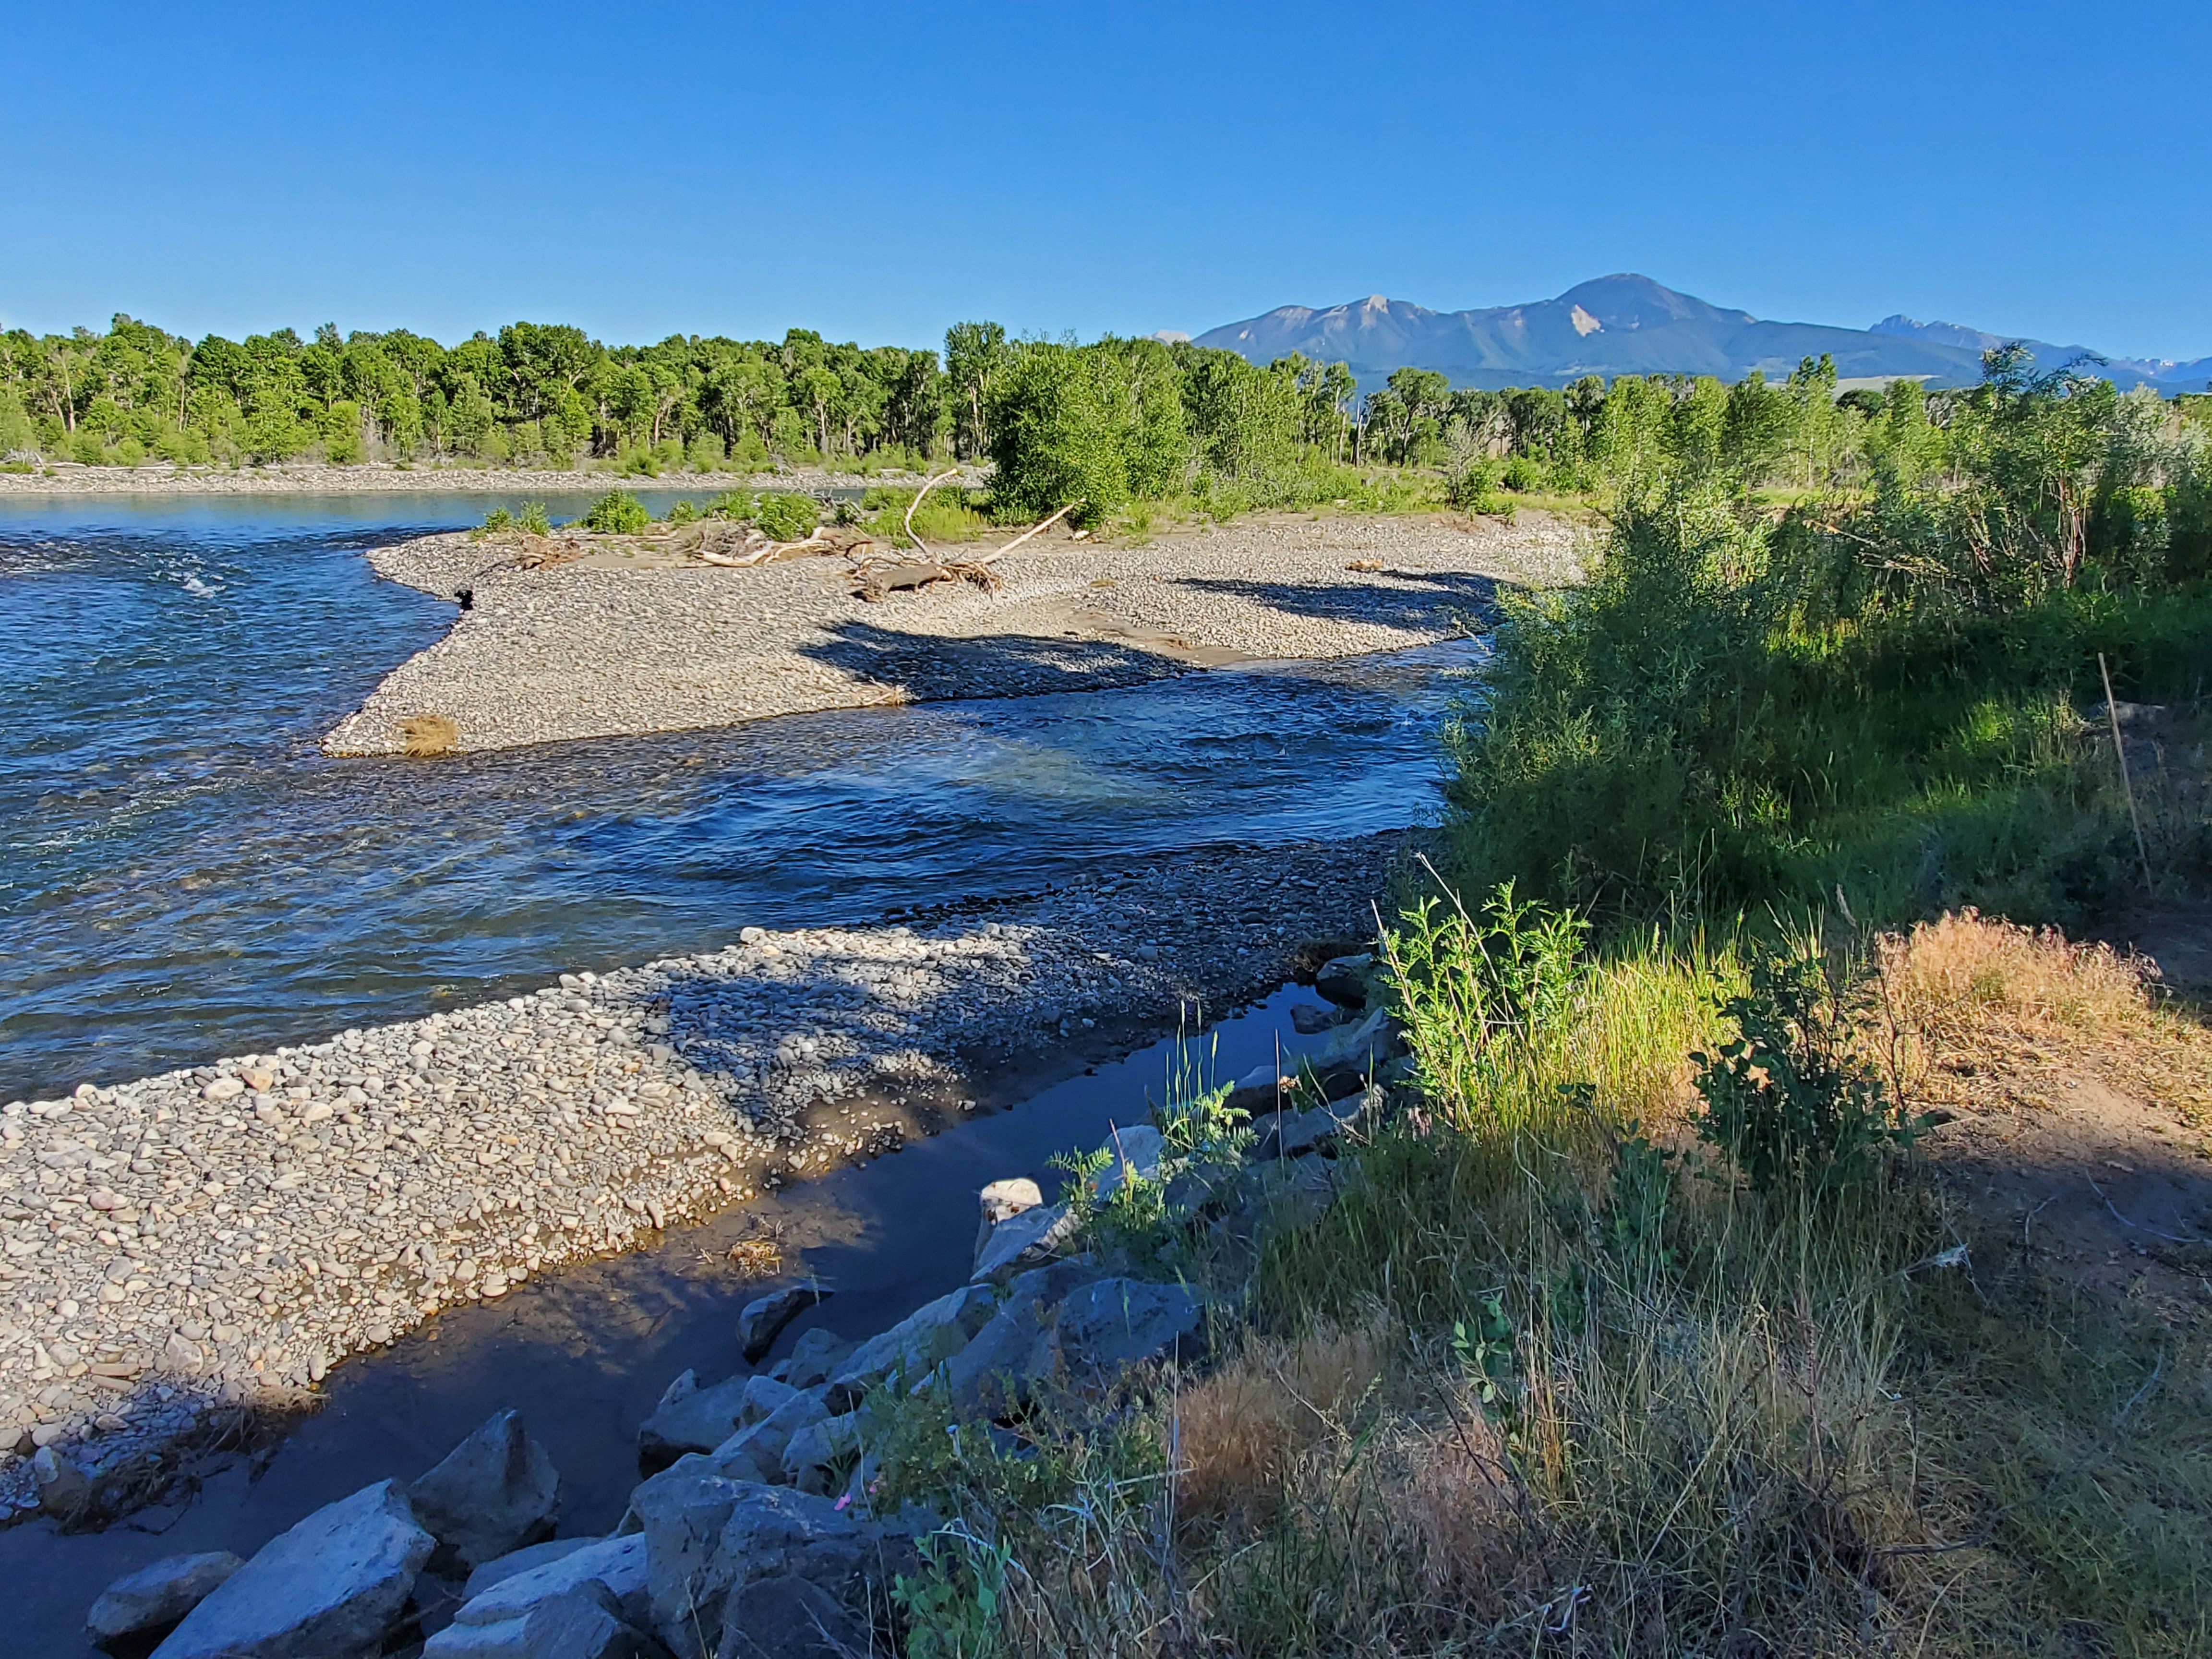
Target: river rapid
[{"x": 182, "y": 874}]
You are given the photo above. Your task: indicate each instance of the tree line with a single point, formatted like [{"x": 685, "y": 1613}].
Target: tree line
[{"x": 1109, "y": 423}]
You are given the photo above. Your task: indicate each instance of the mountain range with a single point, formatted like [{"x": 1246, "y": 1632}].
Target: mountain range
[{"x": 1631, "y": 325}]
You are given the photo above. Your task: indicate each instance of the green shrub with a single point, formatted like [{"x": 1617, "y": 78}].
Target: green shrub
[
  {"x": 617, "y": 513},
  {"x": 1786, "y": 1101},
  {"x": 497, "y": 520},
  {"x": 786, "y": 516},
  {"x": 534, "y": 520}
]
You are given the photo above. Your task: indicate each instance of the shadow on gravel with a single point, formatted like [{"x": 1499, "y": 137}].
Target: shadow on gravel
[
  {"x": 931, "y": 669},
  {"x": 1471, "y": 598}
]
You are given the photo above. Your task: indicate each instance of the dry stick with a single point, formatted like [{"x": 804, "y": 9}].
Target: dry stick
[{"x": 2113, "y": 714}]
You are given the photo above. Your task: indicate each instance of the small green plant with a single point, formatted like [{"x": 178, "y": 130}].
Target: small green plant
[
  {"x": 784, "y": 516},
  {"x": 683, "y": 513},
  {"x": 1483, "y": 1347},
  {"x": 735, "y": 505},
  {"x": 497, "y": 520},
  {"x": 534, "y": 520},
  {"x": 1786, "y": 1101},
  {"x": 1633, "y": 1228},
  {"x": 952, "y": 1606},
  {"x": 617, "y": 513}
]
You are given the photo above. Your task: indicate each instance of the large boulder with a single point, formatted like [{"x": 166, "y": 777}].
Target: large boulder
[
  {"x": 813, "y": 1359},
  {"x": 330, "y": 1588},
  {"x": 787, "y": 1617},
  {"x": 996, "y": 1372},
  {"x": 696, "y": 1419},
  {"x": 706, "y": 1535},
  {"x": 617, "y": 1564},
  {"x": 1111, "y": 1324},
  {"x": 760, "y": 1321},
  {"x": 1362, "y": 1047},
  {"x": 142, "y": 1604},
  {"x": 1293, "y": 1134},
  {"x": 756, "y": 1451},
  {"x": 531, "y": 1556},
  {"x": 930, "y": 1334},
  {"x": 494, "y": 1492},
  {"x": 584, "y": 1622}
]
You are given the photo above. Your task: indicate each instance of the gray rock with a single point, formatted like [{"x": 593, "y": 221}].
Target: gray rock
[
  {"x": 496, "y": 1491},
  {"x": 813, "y": 1359},
  {"x": 155, "y": 1596},
  {"x": 997, "y": 1371},
  {"x": 1024, "y": 1240},
  {"x": 1136, "y": 1152},
  {"x": 930, "y": 1334},
  {"x": 1343, "y": 980},
  {"x": 691, "y": 1418},
  {"x": 679, "y": 1515},
  {"x": 329, "y": 1588},
  {"x": 775, "y": 1532},
  {"x": 756, "y": 1451},
  {"x": 787, "y": 1617},
  {"x": 617, "y": 1563},
  {"x": 817, "y": 1456},
  {"x": 64, "y": 1490},
  {"x": 762, "y": 1322},
  {"x": 1295, "y": 1133},
  {"x": 585, "y": 1622},
  {"x": 1308, "y": 1020},
  {"x": 1362, "y": 1046},
  {"x": 526, "y": 1559},
  {"x": 1113, "y": 1323}
]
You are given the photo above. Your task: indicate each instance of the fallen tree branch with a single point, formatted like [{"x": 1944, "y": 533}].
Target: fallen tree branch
[{"x": 1033, "y": 530}]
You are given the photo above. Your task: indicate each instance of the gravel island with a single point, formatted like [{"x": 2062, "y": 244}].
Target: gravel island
[{"x": 601, "y": 646}]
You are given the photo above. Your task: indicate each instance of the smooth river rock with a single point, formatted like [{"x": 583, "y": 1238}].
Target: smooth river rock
[
  {"x": 329, "y": 1588},
  {"x": 156, "y": 1597}
]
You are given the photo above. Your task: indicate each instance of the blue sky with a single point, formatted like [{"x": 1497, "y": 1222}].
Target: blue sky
[{"x": 879, "y": 172}]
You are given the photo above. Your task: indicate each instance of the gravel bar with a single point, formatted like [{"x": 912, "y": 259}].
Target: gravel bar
[
  {"x": 598, "y": 648},
  {"x": 225, "y": 1233}
]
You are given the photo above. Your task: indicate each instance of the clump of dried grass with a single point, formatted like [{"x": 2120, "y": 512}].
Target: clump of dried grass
[
  {"x": 1972, "y": 996},
  {"x": 1237, "y": 1432},
  {"x": 423, "y": 737}
]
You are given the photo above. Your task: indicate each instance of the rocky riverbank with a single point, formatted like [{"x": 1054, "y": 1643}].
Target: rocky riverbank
[
  {"x": 601, "y": 645},
  {"x": 375, "y": 478},
  {"x": 229, "y": 1231}
]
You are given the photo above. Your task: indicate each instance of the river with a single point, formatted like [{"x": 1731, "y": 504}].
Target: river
[{"x": 184, "y": 874}]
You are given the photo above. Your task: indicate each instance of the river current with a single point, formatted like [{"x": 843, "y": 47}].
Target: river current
[{"x": 184, "y": 874}]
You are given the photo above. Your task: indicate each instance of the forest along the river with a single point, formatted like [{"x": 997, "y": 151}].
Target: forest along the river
[{"x": 182, "y": 874}]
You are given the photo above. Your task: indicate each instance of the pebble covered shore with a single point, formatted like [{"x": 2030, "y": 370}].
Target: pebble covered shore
[
  {"x": 590, "y": 649},
  {"x": 221, "y": 1230}
]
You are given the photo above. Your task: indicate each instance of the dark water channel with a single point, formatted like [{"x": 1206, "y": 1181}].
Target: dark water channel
[{"x": 182, "y": 874}]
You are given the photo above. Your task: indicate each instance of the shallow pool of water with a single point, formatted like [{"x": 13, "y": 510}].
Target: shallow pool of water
[{"x": 184, "y": 874}]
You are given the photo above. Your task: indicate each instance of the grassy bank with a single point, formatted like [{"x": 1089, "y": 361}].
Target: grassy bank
[{"x": 1731, "y": 1274}]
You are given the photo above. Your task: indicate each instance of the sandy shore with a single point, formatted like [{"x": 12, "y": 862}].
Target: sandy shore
[
  {"x": 211, "y": 1233},
  {"x": 67, "y": 479},
  {"x": 608, "y": 645}
]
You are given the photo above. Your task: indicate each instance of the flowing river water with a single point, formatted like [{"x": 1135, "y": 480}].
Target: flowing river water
[{"x": 182, "y": 874}]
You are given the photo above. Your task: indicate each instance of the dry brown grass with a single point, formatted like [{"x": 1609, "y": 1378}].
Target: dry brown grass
[
  {"x": 1238, "y": 1430},
  {"x": 423, "y": 737},
  {"x": 1979, "y": 1002}
]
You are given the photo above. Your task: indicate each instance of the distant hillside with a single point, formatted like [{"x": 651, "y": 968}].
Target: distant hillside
[
  {"x": 2167, "y": 375},
  {"x": 1622, "y": 324}
]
